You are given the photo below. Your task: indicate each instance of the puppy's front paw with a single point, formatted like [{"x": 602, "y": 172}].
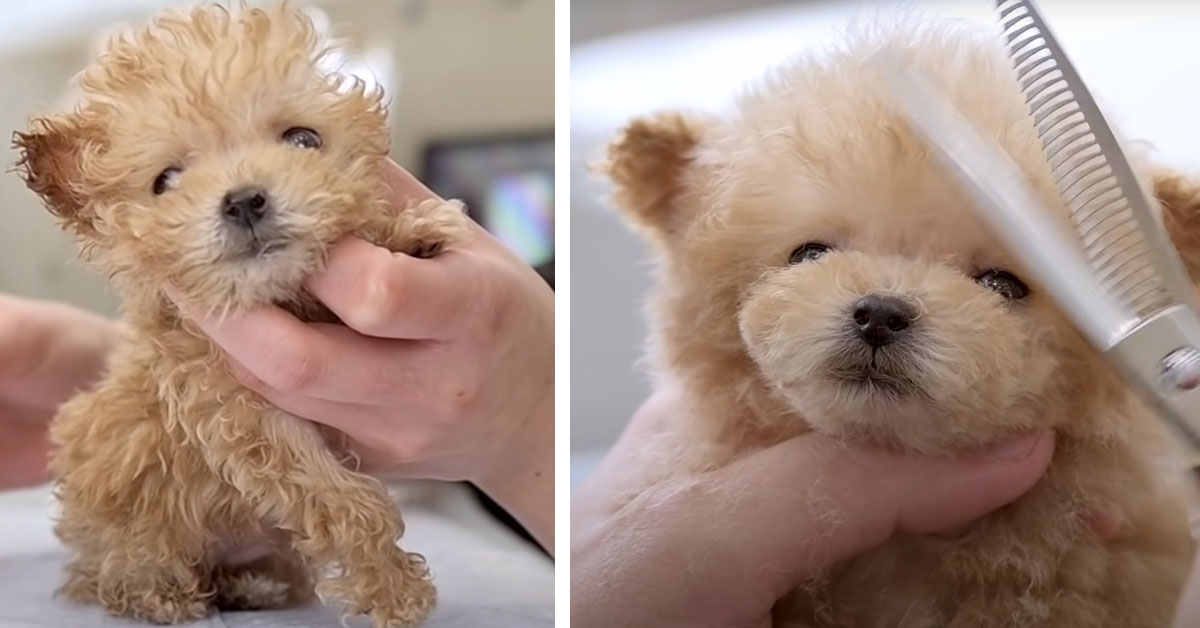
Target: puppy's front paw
[
  {"x": 249, "y": 591},
  {"x": 394, "y": 590},
  {"x": 165, "y": 605},
  {"x": 425, "y": 229},
  {"x": 82, "y": 584},
  {"x": 274, "y": 581},
  {"x": 411, "y": 596},
  {"x": 165, "y": 595}
]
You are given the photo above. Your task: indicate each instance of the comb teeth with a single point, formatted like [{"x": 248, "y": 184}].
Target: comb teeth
[{"x": 1089, "y": 177}]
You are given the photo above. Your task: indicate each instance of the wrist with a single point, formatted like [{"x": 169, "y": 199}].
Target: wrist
[{"x": 525, "y": 488}]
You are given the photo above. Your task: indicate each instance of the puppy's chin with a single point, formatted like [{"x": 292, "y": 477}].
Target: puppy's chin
[
  {"x": 896, "y": 396},
  {"x": 887, "y": 397},
  {"x": 872, "y": 405},
  {"x": 876, "y": 375},
  {"x": 256, "y": 274},
  {"x": 873, "y": 395}
]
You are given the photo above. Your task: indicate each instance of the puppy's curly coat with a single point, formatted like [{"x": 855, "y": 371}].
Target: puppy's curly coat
[
  {"x": 212, "y": 153},
  {"x": 818, "y": 271}
]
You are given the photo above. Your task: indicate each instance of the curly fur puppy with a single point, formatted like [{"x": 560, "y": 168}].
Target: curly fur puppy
[
  {"x": 817, "y": 271},
  {"x": 210, "y": 153}
]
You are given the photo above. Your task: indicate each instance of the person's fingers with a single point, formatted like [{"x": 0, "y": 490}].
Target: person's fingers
[
  {"x": 392, "y": 295},
  {"x": 23, "y": 343},
  {"x": 312, "y": 360},
  {"x": 346, "y": 416},
  {"x": 615, "y": 473},
  {"x": 24, "y": 453},
  {"x": 1187, "y": 615},
  {"x": 818, "y": 501},
  {"x": 13, "y": 413},
  {"x": 377, "y": 446},
  {"x": 49, "y": 351},
  {"x": 404, "y": 186}
]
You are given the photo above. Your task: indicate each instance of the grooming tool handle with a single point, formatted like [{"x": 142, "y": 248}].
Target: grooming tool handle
[{"x": 1163, "y": 353}]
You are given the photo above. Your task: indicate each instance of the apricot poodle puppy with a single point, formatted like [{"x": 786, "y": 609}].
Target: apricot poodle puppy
[
  {"x": 211, "y": 153},
  {"x": 818, "y": 271}
]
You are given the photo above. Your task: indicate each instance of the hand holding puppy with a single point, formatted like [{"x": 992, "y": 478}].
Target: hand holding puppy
[
  {"x": 1188, "y": 613},
  {"x": 445, "y": 369},
  {"x": 722, "y": 548}
]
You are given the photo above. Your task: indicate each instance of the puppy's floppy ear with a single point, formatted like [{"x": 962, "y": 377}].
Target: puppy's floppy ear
[
  {"x": 648, "y": 162},
  {"x": 1179, "y": 196},
  {"x": 50, "y": 157}
]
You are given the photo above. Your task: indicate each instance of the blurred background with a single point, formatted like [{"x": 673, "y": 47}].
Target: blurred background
[
  {"x": 471, "y": 84},
  {"x": 630, "y": 57}
]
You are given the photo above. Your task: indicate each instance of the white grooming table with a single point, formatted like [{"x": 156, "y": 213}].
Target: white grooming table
[{"x": 486, "y": 576}]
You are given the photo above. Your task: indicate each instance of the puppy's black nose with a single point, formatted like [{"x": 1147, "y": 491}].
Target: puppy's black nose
[
  {"x": 246, "y": 206},
  {"x": 881, "y": 319}
]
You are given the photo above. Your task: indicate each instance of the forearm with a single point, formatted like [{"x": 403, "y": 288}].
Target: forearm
[{"x": 527, "y": 493}]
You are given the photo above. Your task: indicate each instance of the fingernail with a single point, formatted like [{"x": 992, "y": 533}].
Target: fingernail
[{"x": 1013, "y": 449}]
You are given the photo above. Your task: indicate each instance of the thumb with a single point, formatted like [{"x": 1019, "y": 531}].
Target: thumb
[
  {"x": 391, "y": 295},
  {"x": 817, "y": 501},
  {"x": 1188, "y": 612}
]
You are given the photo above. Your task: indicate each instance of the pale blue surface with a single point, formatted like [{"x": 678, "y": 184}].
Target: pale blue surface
[{"x": 486, "y": 576}]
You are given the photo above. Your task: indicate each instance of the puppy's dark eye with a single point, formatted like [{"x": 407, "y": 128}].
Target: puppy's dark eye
[
  {"x": 1003, "y": 283},
  {"x": 166, "y": 180},
  {"x": 301, "y": 137},
  {"x": 809, "y": 252}
]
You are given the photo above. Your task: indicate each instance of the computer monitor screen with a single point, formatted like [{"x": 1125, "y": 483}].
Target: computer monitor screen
[{"x": 507, "y": 184}]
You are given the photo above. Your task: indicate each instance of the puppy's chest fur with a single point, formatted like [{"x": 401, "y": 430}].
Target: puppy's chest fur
[{"x": 196, "y": 393}]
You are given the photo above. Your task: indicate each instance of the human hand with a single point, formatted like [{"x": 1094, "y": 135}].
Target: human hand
[
  {"x": 721, "y": 548},
  {"x": 47, "y": 352},
  {"x": 445, "y": 371},
  {"x": 1187, "y": 615}
]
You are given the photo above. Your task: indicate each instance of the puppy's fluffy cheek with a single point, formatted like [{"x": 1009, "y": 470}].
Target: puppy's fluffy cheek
[
  {"x": 979, "y": 352},
  {"x": 795, "y": 320},
  {"x": 149, "y": 242},
  {"x": 791, "y": 320},
  {"x": 322, "y": 202}
]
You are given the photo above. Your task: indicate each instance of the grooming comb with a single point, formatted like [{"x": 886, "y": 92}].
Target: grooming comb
[
  {"x": 1116, "y": 274},
  {"x": 1126, "y": 245}
]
